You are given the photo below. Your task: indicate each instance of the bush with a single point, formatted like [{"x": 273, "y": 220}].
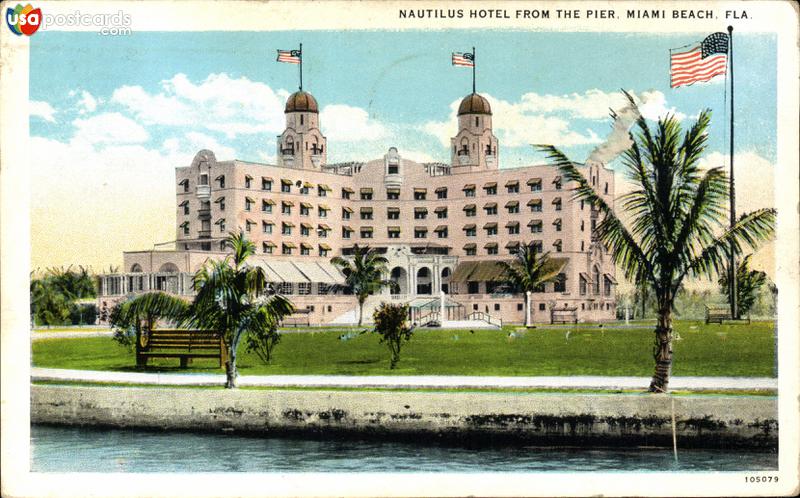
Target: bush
[{"x": 391, "y": 323}]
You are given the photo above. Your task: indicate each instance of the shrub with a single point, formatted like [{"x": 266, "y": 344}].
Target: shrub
[{"x": 391, "y": 323}]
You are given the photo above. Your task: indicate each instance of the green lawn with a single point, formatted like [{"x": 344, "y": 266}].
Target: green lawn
[{"x": 702, "y": 350}]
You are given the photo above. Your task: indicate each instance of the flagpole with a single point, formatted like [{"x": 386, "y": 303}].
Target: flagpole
[
  {"x": 732, "y": 262},
  {"x": 473, "y": 69},
  {"x": 301, "y": 67}
]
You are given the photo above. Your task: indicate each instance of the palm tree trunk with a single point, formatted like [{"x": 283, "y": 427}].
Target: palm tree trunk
[
  {"x": 230, "y": 368},
  {"x": 360, "y": 311},
  {"x": 662, "y": 350}
]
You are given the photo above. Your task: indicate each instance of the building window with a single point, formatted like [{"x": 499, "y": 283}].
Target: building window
[
  {"x": 513, "y": 229},
  {"x": 606, "y": 286},
  {"x": 491, "y": 209},
  {"x": 470, "y": 211},
  {"x": 582, "y": 225},
  {"x": 286, "y": 249},
  {"x": 557, "y": 183},
  {"x": 582, "y": 287},
  {"x": 557, "y": 203},
  {"x": 394, "y": 169},
  {"x": 472, "y": 287},
  {"x": 285, "y": 288},
  {"x": 221, "y": 180},
  {"x": 393, "y": 213},
  {"x": 582, "y": 246},
  {"x": 346, "y": 233},
  {"x": 441, "y": 193},
  {"x": 491, "y": 250},
  {"x": 536, "y": 226},
  {"x": 366, "y": 213},
  {"x": 266, "y": 184},
  {"x": 536, "y": 205},
  {"x": 322, "y": 212},
  {"x": 497, "y": 306},
  {"x": 286, "y": 229},
  {"x": 266, "y": 227},
  {"x": 322, "y": 231},
  {"x": 469, "y": 192},
  {"x": 560, "y": 283},
  {"x": 471, "y": 231},
  {"x": 248, "y": 204},
  {"x": 305, "y": 230},
  {"x": 366, "y": 233},
  {"x": 535, "y": 185},
  {"x": 266, "y": 207},
  {"x": 513, "y": 188},
  {"x": 442, "y": 233},
  {"x": 420, "y": 233},
  {"x": 304, "y": 190},
  {"x": 286, "y": 187},
  {"x": 605, "y": 188},
  {"x": 286, "y": 208},
  {"x": 247, "y": 181},
  {"x": 491, "y": 230},
  {"x": 306, "y": 251},
  {"x": 366, "y": 194},
  {"x": 322, "y": 191},
  {"x": 304, "y": 288},
  {"x": 596, "y": 282},
  {"x": 557, "y": 224},
  {"x": 513, "y": 208},
  {"x": 420, "y": 194},
  {"x": 323, "y": 252},
  {"x": 185, "y": 207},
  {"x": 185, "y": 184},
  {"x": 394, "y": 232},
  {"x": 305, "y": 209},
  {"x": 346, "y": 193},
  {"x": 185, "y": 228},
  {"x": 393, "y": 194},
  {"x": 491, "y": 189},
  {"x": 542, "y": 307},
  {"x": 346, "y": 213},
  {"x": 537, "y": 246},
  {"x": 420, "y": 213},
  {"x": 441, "y": 213}
]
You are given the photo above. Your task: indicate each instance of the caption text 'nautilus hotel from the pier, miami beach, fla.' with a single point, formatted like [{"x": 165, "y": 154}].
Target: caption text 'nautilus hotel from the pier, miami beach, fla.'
[{"x": 442, "y": 227}]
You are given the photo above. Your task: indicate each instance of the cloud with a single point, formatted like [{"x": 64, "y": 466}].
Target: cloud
[
  {"x": 219, "y": 103},
  {"x": 87, "y": 103},
  {"x": 653, "y": 105},
  {"x": 42, "y": 110},
  {"x": 109, "y": 128},
  {"x": 344, "y": 123}
]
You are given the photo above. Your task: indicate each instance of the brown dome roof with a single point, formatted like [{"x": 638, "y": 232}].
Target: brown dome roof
[
  {"x": 474, "y": 104},
  {"x": 301, "y": 102}
]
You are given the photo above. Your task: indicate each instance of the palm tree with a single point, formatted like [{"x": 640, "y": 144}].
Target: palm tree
[
  {"x": 528, "y": 271},
  {"x": 232, "y": 298},
  {"x": 364, "y": 274},
  {"x": 678, "y": 226},
  {"x": 748, "y": 285}
]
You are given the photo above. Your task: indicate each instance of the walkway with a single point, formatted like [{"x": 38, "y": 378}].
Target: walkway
[{"x": 423, "y": 381}]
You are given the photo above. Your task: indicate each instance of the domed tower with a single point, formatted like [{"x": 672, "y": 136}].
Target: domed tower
[
  {"x": 302, "y": 145},
  {"x": 474, "y": 147}
]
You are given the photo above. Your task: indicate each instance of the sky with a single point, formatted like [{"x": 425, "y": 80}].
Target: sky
[{"x": 112, "y": 116}]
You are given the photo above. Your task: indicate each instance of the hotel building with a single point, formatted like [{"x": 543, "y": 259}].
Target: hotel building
[{"x": 441, "y": 226}]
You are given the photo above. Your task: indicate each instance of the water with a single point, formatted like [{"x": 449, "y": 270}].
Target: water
[{"x": 79, "y": 449}]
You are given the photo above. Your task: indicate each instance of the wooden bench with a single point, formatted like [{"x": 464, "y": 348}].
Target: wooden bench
[
  {"x": 564, "y": 315},
  {"x": 299, "y": 317},
  {"x": 718, "y": 315},
  {"x": 184, "y": 344}
]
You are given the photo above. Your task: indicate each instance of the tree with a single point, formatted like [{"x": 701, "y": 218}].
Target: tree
[
  {"x": 391, "y": 323},
  {"x": 232, "y": 298},
  {"x": 364, "y": 274},
  {"x": 48, "y": 305},
  {"x": 128, "y": 317},
  {"x": 528, "y": 271},
  {"x": 748, "y": 285},
  {"x": 678, "y": 214}
]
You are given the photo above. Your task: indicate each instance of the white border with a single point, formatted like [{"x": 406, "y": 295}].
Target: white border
[{"x": 777, "y": 17}]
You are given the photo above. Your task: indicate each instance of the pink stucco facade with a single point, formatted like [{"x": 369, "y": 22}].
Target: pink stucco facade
[{"x": 428, "y": 219}]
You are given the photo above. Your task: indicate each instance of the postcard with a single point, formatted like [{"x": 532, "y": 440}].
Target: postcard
[{"x": 406, "y": 248}]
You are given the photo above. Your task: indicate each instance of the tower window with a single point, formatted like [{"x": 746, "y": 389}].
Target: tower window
[
  {"x": 477, "y": 121},
  {"x": 301, "y": 119}
]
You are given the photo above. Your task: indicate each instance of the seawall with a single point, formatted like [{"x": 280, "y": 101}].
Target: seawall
[{"x": 530, "y": 418}]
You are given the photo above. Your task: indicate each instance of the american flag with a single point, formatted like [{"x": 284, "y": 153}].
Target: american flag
[
  {"x": 700, "y": 63},
  {"x": 463, "y": 59},
  {"x": 290, "y": 56}
]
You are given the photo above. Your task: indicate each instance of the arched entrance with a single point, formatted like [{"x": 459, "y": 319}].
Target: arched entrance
[
  {"x": 446, "y": 274},
  {"x": 424, "y": 281},
  {"x": 400, "y": 277}
]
